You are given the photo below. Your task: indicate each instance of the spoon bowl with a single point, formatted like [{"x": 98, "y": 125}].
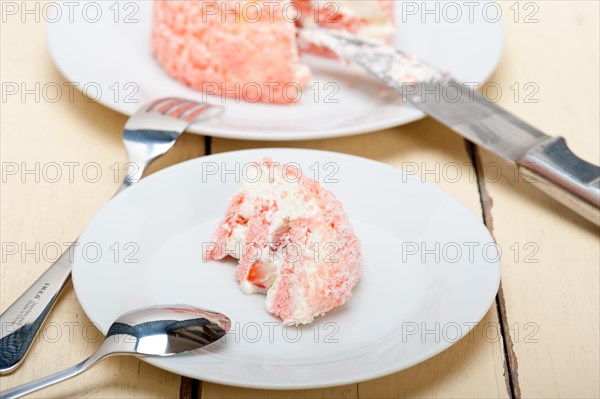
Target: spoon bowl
[
  {"x": 166, "y": 330},
  {"x": 152, "y": 331}
]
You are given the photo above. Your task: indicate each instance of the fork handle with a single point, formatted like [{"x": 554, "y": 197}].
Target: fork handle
[{"x": 22, "y": 321}]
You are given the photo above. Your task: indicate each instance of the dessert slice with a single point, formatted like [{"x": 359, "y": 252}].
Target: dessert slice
[
  {"x": 246, "y": 49},
  {"x": 370, "y": 19},
  {"x": 293, "y": 241},
  {"x": 237, "y": 48}
]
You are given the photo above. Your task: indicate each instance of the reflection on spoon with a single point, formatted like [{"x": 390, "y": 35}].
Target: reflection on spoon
[{"x": 153, "y": 331}]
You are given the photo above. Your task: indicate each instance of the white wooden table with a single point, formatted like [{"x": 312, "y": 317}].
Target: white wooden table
[{"x": 539, "y": 339}]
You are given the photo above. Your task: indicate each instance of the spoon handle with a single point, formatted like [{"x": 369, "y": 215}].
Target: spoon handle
[
  {"x": 22, "y": 320},
  {"x": 52, "y": 379}
]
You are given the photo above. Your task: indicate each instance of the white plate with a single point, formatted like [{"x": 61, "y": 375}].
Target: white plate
[
  {"x": 409, "y": 305},
  {"x": 116, "y": 57}
]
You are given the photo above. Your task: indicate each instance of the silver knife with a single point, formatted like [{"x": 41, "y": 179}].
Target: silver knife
[{"x": 544, "y": 160}]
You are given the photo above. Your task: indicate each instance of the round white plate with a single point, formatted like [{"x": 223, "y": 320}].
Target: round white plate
[
  {"x": 430, "y": 272},
  {"x": 114, "y": 63}
]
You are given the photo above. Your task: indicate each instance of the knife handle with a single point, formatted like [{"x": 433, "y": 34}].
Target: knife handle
[{"x": 564, "y": 176}]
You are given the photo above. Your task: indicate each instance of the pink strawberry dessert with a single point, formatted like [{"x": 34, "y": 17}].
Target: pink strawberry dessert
[
  {"x": 241, "y": 49},
  {"x": 246, "y": 49},
  {"x": 293, "y": 241},
  {"x": 371, "y": 19}
]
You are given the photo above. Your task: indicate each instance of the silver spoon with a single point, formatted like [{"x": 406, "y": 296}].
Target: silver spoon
[
  {"x": 148, "y": 134},
  {"x": 155, "y": 331}
]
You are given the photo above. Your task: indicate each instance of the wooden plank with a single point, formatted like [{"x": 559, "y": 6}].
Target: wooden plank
[
  {"x": 39, "y": 216},
  {"x": 217, "y": 391},
  {"x": 550, "y": 265},
  {"x": 474, "y": 367}
]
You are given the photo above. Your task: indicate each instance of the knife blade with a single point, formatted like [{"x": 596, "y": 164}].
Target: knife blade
[{"x": 546, "y": 160}]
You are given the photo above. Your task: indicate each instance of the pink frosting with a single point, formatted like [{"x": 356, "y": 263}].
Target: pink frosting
[
  {"x": 229, "y": 48},
  {"x": 314, "y": 282}
]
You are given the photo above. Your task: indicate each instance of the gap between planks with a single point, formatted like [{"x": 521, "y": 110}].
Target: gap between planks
[
  {"x": 191, "y": 388},
  {"x": 511, "y": 365}
]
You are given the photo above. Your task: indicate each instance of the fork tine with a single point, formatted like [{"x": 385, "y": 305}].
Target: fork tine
[
  {"x": 194, "y": 112},
  {"x": 171, "y": 114},
  {"x": 167, "y": 106},
  {"x": 157, "y": 102},
  {"x": 182, "y": 108}
]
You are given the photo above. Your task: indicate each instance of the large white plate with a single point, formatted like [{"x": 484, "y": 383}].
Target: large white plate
[
  {"x": 430, "y": 272},
  {"x": 116, "y": 57}
]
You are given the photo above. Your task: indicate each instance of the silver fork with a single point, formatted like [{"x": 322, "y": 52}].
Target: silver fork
[{"x": 148, "y": 134}]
